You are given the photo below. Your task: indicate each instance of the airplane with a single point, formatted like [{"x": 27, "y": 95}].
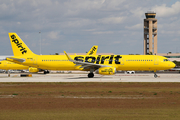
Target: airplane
[
  {"x": 7, "y": 65},
  {"x": 104, "y": 64}
]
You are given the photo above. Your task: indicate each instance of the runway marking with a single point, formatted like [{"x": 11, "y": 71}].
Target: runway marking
[
  {"x": 123, "y": 97},
  {"x": 7, "y": 96}
]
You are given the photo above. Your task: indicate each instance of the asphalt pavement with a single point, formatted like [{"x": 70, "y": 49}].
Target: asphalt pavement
[{"x": 146, "y": 77}]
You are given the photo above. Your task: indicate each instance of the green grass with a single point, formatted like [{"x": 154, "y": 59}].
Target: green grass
[
  {"x": 93, "y": 114},
  {"x": 47, "y": 101}
]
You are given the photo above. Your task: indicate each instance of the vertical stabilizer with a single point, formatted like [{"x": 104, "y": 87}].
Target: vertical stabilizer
[
  {"x": 93, "y": 50},
  {"x": 18, "y": 46}
]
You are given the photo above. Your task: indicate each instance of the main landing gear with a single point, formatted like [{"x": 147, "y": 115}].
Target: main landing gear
[
  {"x": 90, "y": 75},
  {"x": 46, "y": 71},
  {"x": 155, "y": 75}
]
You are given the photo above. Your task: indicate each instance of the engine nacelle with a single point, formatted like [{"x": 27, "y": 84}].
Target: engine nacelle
[
  {"x": 107, "y": 71},
  {"x": 33, "y": 70}
]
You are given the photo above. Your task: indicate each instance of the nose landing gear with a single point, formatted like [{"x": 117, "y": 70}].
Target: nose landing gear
[{"x": 46, "y": 71}]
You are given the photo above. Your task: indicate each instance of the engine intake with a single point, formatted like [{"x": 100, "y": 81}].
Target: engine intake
[
  {"x": 33, "y": 70},
  {"x": 106, "y": 71}
]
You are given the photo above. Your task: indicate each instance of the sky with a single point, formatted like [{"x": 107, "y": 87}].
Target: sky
[{"x": 74, "y": 26}]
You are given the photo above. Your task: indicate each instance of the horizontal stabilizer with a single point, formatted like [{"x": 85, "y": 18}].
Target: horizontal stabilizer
[{"x": 15, "y": 59}]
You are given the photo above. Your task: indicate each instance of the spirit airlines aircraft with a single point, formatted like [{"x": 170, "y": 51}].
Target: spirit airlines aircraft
[
  {"x": 7, "y": 65},
  {"x": 104, "y": 64}
]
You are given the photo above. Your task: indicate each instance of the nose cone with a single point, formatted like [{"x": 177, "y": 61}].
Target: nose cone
[{"x": 172, "y": 65}]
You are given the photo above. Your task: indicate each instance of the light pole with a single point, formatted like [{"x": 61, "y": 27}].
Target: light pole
[{"x": 40, "y": 42}]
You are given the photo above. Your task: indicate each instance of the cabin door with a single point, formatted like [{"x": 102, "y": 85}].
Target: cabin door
[
  {"x": 122, "y": 61},
  {"x": 35, "y": 60},
  {"x": 5, "y": 63},
  {"x": 156, "y": 60}
]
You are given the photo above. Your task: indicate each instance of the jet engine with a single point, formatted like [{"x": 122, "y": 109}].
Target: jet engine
[
  {"x": 106, "y": 71},
  {"x": 33, "y": 70}
]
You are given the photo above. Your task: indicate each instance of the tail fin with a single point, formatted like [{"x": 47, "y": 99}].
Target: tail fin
[
  {"x": 93, "y": 50},
  {"x": 18, "y": 46}
]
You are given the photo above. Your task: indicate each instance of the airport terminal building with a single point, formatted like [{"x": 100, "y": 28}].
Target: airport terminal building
[{"x": 171, "y": 56}]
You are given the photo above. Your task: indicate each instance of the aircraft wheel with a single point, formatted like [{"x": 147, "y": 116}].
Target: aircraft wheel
[
  {"x": 46, "y": 72},
  {"x": 90, "y": 75},
  {"x": 155, "y": 76}
]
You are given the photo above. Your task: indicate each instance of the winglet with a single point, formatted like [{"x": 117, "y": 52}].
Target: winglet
[{"x": 69, "y": 58}]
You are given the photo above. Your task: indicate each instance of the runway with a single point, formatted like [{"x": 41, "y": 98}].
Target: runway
[{"x": 97, "y": 78}]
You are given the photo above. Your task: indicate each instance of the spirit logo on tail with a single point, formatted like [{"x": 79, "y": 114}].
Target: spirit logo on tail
[
  {"x": 16, "y": 41},
  {"x": 92, "y": 51}
]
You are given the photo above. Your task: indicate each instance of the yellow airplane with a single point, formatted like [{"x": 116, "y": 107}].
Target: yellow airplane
[
  {"x": 7, "y": 65},
  {"x": 104, "y": 64}
]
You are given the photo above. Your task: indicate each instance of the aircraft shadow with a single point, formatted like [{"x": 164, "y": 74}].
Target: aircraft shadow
[{"x": 89, "y": 78}]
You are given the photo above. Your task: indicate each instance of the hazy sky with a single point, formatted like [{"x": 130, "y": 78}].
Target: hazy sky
[{"x": 116, "y": 26}]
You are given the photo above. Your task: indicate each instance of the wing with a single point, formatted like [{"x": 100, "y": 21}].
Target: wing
[{"x": 85, "y": 65}]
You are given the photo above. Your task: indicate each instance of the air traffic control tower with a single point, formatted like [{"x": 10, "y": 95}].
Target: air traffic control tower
[{"x": 150, "y": 33}]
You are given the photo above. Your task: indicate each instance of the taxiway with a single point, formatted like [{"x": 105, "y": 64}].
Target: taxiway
[{"x": 97, "y": 78}]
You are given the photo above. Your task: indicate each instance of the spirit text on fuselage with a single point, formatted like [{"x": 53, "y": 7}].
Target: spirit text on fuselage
[{"x": 99, "y": 59}]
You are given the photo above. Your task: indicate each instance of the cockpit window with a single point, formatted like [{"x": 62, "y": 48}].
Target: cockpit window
[{"x": 166, "y": 60}]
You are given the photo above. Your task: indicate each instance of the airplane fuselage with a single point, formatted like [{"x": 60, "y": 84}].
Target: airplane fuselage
[{"x": 120, "y": 62}]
